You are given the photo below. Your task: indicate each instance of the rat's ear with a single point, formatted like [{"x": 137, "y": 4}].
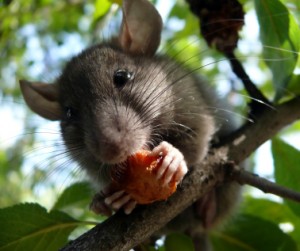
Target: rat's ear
[
  {"x": 141, "y": 27},
  {"x": 42, "y": 99}
]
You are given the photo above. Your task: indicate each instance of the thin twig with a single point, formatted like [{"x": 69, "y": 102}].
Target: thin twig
[
  {"x": 220, "y": 30},
  {"x": 245, "y": 177},
  {"x": 253, "y": 91}
]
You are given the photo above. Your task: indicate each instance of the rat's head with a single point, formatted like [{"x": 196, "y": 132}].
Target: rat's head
[
  {"x": 110, "y": 102},
  {"x": 106, "y": 98}
]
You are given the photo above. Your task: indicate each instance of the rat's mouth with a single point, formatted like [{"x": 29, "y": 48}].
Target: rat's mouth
[{"x": 116, "y": 155}]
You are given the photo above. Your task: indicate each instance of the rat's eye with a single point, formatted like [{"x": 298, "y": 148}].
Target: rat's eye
[{"x": 121, "y": 77}]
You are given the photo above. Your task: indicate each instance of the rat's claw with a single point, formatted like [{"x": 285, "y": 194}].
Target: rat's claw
[
  {"x": 128, "y": 208},
  {"x": 111, "y": 199},
  {"x": 181, "y": 171},
  {"x": 164, "y": 166},
  {"x": 114, "y": 197},
  {"x": 174, "y": 169},
  {"x": 173, "y": 165},
  {"x": 119, "y": 200},
  {"x": 163, "y": 148}
]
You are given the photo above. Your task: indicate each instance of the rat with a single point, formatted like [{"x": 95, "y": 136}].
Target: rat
[{"x": 118, "y": 97}]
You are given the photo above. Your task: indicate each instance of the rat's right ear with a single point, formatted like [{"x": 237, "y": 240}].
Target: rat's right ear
[
  {"x": 42, "y": 99},
  {"x": 141, "y": 27}
]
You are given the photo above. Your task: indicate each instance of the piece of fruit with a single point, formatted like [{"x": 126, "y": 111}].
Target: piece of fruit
[{"x": 137, "y": 177}]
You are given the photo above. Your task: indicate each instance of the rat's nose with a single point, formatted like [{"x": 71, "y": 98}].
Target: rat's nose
[{"x": 120, "y": 133}]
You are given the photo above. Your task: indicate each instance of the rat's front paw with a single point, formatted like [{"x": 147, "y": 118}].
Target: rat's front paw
[
  {"x": 173, "y": 166},
  {"x": 109, "y": 200},
  {"x": 119, "y": 200}
]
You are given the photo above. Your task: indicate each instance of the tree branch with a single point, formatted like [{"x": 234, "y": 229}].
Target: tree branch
[
  {"x": 244, "y": 177},
  {"x": 220, "y": 22},
  {"x": 259, "y": 101},
  {"x": 122, "y": 232}
]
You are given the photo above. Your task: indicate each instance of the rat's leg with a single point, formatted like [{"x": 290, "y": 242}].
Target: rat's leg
[{"x": 173, "y": 166}]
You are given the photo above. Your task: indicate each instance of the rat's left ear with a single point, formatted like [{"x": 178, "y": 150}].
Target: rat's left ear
[
  {"x": 141, "y": 27},
  {"x": 42, "y": 98}
]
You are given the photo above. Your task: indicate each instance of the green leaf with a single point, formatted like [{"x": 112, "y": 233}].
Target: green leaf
[
  {"x": 250, "y": 233},
  {"x": 280, "y": 36},
  {"x": 294, "y": 85},
  {"x": 74, "y": 194},
  {"x": 178, "y": 242},
  {"x": 179, "y": 10},
  {"x": 278, "y": 213},
  {"x": 269, "y": 210},
  {"x": 31, "y": 227},
  {"x": 286, "y": 163},
  {"x": 101, "y": 8}
]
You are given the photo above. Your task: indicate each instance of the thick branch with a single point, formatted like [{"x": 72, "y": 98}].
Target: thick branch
[
  {"x": 246, "y": 140},
  {"x": 122, "y": 232}
]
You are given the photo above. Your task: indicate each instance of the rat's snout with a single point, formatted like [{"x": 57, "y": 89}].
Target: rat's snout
[{"x": 120, "y": 133}]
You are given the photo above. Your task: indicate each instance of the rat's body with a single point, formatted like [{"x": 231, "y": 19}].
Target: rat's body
[{"x": 117, "y": 98}]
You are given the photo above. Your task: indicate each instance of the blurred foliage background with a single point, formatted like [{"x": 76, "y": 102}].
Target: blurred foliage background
[{"x": 38, "y": 37}]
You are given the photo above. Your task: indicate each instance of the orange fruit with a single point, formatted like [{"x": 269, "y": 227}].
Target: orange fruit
[{"x": 137, "y": 177}]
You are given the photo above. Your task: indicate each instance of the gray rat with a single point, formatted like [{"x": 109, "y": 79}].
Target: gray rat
[{"x": 118, "y": 97}]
